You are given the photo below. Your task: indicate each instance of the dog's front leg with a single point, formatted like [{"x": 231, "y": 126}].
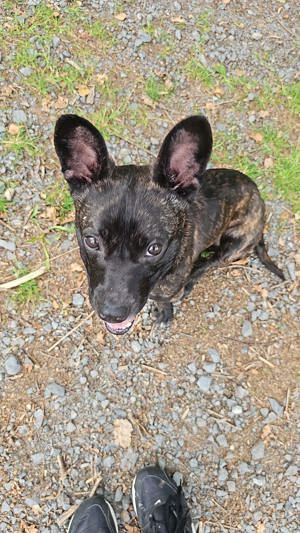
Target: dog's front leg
[{"x": 165, "y": 312}]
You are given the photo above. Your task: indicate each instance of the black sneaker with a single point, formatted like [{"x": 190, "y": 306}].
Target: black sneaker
[
  {"x": 94, "y": 515},
  {"x": 159, "y": 504}
]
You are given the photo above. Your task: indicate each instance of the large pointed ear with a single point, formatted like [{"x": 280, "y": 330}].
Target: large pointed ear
[
  {"x": 81, "y": 150},
  {"x": 184, "y": 155}
]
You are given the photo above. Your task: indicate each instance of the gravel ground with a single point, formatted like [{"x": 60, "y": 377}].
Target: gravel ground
[{"x": 215, "y": 397}]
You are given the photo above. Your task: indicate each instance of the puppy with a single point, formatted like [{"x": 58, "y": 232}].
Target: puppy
[{"x": 142, "y": 230}]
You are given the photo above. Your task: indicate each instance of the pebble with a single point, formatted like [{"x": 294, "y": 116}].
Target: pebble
[
  {"x": 37, "y": 458},
  {"x": 214, "y": 355},
  {"x": 276, "y": 407},
  {"x": 247, "y": 329},
  {"x": 291, "y": 270},
  {"x": 204, "y": 383},
  {"x": 12, "y": 366},
  {"x": 5, "y": 508},
  {"x": 26, "y": 71},
  {"x": 135, "y": 345},
  {"x": 19, "y": 116},
  {"x": 38, "y": 418},
  {"x": 8, "y": 245},
  {"x": 55, "y": 390},
  {"x": 258, "y": 451},
  {"x": 77, "y": 299}
]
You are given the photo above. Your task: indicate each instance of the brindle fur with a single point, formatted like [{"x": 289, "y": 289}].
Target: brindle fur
[{"x": 175, "y": 201}]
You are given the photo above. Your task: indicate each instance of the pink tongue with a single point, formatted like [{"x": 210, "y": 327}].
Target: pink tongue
[{"x": 121, "y": 325}]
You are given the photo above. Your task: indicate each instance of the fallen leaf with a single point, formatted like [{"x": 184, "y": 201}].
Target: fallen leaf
[
  {"x": 179, "y": 20},
  {"x": 266, "y": 432},
  {"x": 260, "y": 528},
  {"x": 297, "y": 259},
  {"x": 100, "y": 337},
  {"x": 131, "y": 529},
  {"x": 268, "y": 162},
  {"x": 122, "y": 432},
  {"x": 226, "y": 2},
  {"x": 210, "y": 106},
  {"x": 50, "y": 214},
  {"x": 257, "y": 137},
  {"x": 76, "y": 267},
  {"x": 148, "y": 101},
  {"x": 101, "y": 78},
  {"x": 13, "y": 129},
  {"x": 61, "y": 102},
  {"x": 121, "y": 16},
  {"x": 28, "y": 528},
  {"x": 219, "y": 91},
  {"x": 83, "y": 90},
  {"x": 264, "y": 113}
]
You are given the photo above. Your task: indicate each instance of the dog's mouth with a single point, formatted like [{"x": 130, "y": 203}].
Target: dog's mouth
[{"x": 119, "y": 328}]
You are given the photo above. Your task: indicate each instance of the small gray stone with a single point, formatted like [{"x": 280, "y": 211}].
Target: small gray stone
[
  {"x": 204, "y": 383},
  {"x": 12, "y": 366},
  {"x": 291, "y": 270},
  {"x": 292, "y": 470},
  {"x": 247, "y": 329},
  {"x": 38, "y": 418},
  {"x": 70, "y": 427},
  {"x": 8, "y": 245},
  {"x": 77, "y": 299},
  {"x": 209, "y": 367},
  {"x": 55, "y": 390},
  {"x": 108, "y": 461},
  {"x": 135, "y": 345},
  {"x": 231, "y": 486},
  {"x": 5, "y": 508},
  {"x": 118, "y": 495},
  {"x": 276, "y": 407},
  {"x": 37, "y": 458},
  {"x": 258, "y": 451},
  {"x": 26, "y": 71},
  {"x": 193, "y": 463},
  {"x": 18, "y": 116},
  {"x": 222, "y": 441},
  {"x": 178, "y": 478},
  {"x": 223, "y": 475},
  {"x": 214, "y": 355}
]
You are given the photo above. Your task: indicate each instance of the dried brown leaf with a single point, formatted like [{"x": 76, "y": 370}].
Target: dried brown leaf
[
  {"x": 268, "y": 162},
  {"x": 13, "y": 129},
  {"x": 122, "y": 432},
  {"x": 257, "y": 137},
  {"x": 121, "y": 16}
]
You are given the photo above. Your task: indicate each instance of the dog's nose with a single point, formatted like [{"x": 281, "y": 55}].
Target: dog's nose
[{"x": 114, "y": 314}]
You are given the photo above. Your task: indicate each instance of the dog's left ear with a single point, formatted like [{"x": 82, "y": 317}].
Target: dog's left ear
[
  {"x": 184, "y": 155},
  {"x": 82, "y": 152}
]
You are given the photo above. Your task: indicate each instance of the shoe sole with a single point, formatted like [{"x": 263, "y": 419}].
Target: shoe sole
[
  {"x": 134, "y": 504},
  {"x": 112, "y": 512}
]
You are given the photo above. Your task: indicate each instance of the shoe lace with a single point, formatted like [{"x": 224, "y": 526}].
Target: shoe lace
[{"x": 174, "y": 508}]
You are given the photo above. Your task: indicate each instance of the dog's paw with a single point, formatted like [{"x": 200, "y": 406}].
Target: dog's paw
[{"x": 165, "y": 313}]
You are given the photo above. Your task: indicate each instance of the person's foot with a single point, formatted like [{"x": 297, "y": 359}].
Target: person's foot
[
  {"x": 94, "y": 515},
  {"x": 159, "y": 504}
]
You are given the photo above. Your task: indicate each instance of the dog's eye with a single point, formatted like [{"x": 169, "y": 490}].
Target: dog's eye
[
  {"x": 91, "y": 242},
  {"x": 154, "y": 249}
]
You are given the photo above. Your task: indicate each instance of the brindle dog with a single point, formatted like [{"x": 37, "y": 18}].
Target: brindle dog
[{"x": 142, "y": 230}]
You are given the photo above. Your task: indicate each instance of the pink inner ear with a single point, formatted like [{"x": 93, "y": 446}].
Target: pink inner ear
[
  {"x": 83, "y": 161},
  {"x": 183, "y": 164}
]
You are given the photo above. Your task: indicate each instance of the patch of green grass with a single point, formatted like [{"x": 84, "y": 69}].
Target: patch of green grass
[
  {"x": 67, "y": 228},
  {"x": 197, "y": 71},
  {"x": 292, "y": 94},
  {"x": 285, "y": 172},
  {"x": 28, "y": 292},
  {"x": 3, "y": 205},
  {"x": 59, "y": 197},
  {"x": 155, "y": 89},
  {"x": 150, "y": 29},
  {"x": 203, "y": 24},
  {"x": 21, "y": 143},
  {"x": 98, "y": 31}
]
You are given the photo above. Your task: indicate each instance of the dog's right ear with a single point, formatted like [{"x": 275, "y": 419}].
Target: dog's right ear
[{"x": 81, "y": 150}]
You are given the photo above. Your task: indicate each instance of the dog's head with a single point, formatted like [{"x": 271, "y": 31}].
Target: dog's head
[{"x": 131, "y": 221}]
